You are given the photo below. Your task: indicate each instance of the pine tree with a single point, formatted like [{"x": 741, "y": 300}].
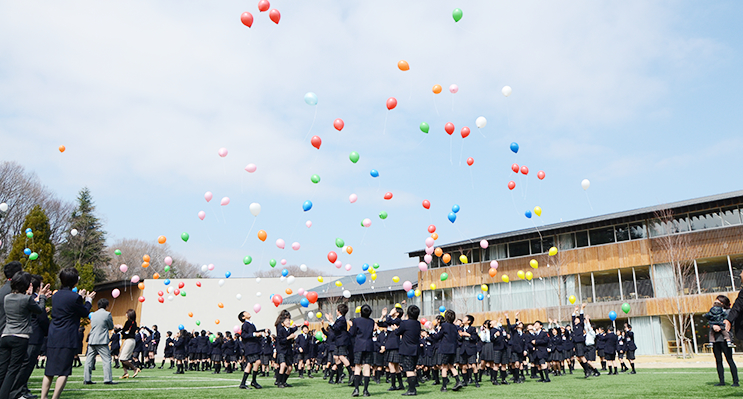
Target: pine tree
[
  {"x": 39, "y": 243},
  {"x": 87, "y": 276},
  {"x": 88, "y": 247}
]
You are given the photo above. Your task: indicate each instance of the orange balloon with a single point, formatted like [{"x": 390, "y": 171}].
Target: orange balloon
[
  {"x": 145, "y": 264},
  {"x": 190, "y": 314},
  {"x": 140, "y": 285},
  {"x": 446, "y": 258},
  {"x": 156, "y": 276},
  {"x": 349, "y": 249},
  {"x": 403, "y": 65},
  {"x": 216, "y": 321},
  {"x": 262, "y": 235},
  {"x": 161, "y": 239},
  {"x": 436, "y": 89},
  {"x": 435, "y": 236},
  {"x": 221, "y": 305},
  {"x": 146, "y": 258},
  {"x": 492, "y": 272},
  {"x": 288, "y": 291},
  {"x": 438, "y": 251},
  {"x": 62, "y": 148}
]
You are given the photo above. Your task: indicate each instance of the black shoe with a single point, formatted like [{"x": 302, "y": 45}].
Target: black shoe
[
  {"x": 287, "y": 385},
  {"x": 457, "y": 386},
  {"x": 88, "y": 382},
  {"x": 632, "y": 372},
  {"x": 596, "y": 373},
  {"x": 720, "y": 384},
  {"x": 255, "y": 385},
  {"x": 477, "y": 384},
  {"x": 366, "y": 393},
  {"x": 410, "y": 393},
  {"x": 280, "y": 386},
  {"x": 244, "y": 387},
  {"x": 110, "y": 383},
  {"x": 443, "y": 388},
  {"x": 393, "y": 388},
  {"x": 735, "y": 384},
  {"x": 355, "y": 393},
  {"x": 310, "y": 376},
  {"x": 436, "y": 383}
]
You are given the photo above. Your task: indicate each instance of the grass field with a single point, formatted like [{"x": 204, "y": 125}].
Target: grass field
[{"x": 155, "y": 384}]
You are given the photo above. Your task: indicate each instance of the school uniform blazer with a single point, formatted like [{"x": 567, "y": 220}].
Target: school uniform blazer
[
  {"x": 155, "y": 339},
  {"x": 180, "y": 346},
  {"x": 115, "y": 341},
  {"x": 193, "y": 345},
  {"x": 251, "y": 342},
  {"x": 410, "y": 334},
  {"x": 303, "y": 342},
  {"x": 469, "y": 344},
  {"x": 331, "y": 338},
  {"x": 283, "y": 343},
  {"x": 579, "y": 334},
  {"x": 362, "y": 332},
  {"x": 601, "y": 341},
  {"x": 391, "y": 342},
  {"x": 498, "y": 338},
  {"x": 40, "y": 325},
  {"x": 138, "y": 344},
  {"x": 378, "y": 339},
  {"x": 169, "y": 345},
  {"x": 629, "y": 338},
  {"x": 228, "y": 347},
  {"x": 611, "y": 343},
  {"x": 67, "y": 309},
  {"x": 215, "y": 348},
  {"x": 448, "y": 338},
  {"x": 340, "y": 328},
  {"x": 541, "y": 341},
  {"x": 620, "y": 344},
  {"x": 266, "y": 345},
  {"x": 204, "y": 345}
]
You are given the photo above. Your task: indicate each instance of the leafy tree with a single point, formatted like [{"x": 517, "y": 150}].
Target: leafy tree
[
  {"x": 87, "y": 276},
  {"x": 40, "y": 243},
  {"x": 88, "y": 247}
]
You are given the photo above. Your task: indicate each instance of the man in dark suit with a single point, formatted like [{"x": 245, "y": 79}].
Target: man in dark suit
[
  {"x": 251, "y": 340},
  {"x": 410, "y": 335},
  {"x": 362, "y": 330}
]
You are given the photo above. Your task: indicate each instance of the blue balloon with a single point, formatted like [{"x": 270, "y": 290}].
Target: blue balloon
[
  {"x": 180, "y": 327},
  {"x": 28, "y": 230},
  {"x": 307, "y": 205},
  {"x": 442, "y": 308},
  {"x": 310, "y": 98},
  {"x": 374, "y": 173},
  {"x": 612, "y": 315},
  {"x": 227, "y": 275},
  {"x": 365, "y": 267},
  {"x": 90, "y": 314},
  {"x": 74, "y": 289},
  {"x": 480, "y": 297},
  {"x": 455, "y": 208},
  {"x": 27, "y": 251},
  {"x": 304, "y": 302},
  {"x": 515, "y": 147},
  {"x": 452, "y": 217},
  {"x": 411, "y": 294},
  {"x": 270, "y": 297},
  {"x": 527, "y": 214},
  {"x": 167, "y": 281},
  {"x": 361, "y": 278},
  {"x": 285, "y": 272}
]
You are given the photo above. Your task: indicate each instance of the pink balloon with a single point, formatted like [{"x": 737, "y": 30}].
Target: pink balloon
[
  {"x": 211, "y": 266},
  {"x": 123, "y": 268},
  {"x": 251, "y": 168},
  {"x": 422, "y": 266},
  {"x": 453, "y": 89},
  {"x": 115, "y": 293},
  {"x": 283, "y": 262},
  {"x": 429, "y": 325},
  {"x": 222, "y": 152},
  {"x": 236, "y": 329},
  {"x": 168, "y": 260},
  {"x": 280, "y": 243},
  {"x": 225, "y": 201},
  {"x": 407, "y": 286},
  {"x": 429, "y": 250},
  {"x": 353, "y": 198},
  {"x": 348, "y": 267},
  {"x": 300, "y": 291},
  {"x": 494, "y": 264},
  {"x": 208, "y": 196},
  {"x": 308, "y": 224},
  {"x": 429, "y": 241},
  {"x": 428, "y": 258},
  {"x": 202, "y": 215},
  {"x": 257, "y": 308},
  {"x": 295, "y": 246},
  {"x": 366, "y": 222},
  {"x": 484, "y": 244},
  {"x": 338, "y": 264},
  {"x": 135, "y": 279}
]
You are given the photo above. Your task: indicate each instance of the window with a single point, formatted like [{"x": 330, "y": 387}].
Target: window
[
  {"x": 586, "y": 289},
  {"x": 706, "y": 220},
  {"x": 628, "y": 284},
  {"x": 657, "y": 228},
  {"x": 536, "y": 246},
  {"x": 522, "y": 296},
  {"x": 518, "y": 249},
  {"x": 622, "y": 232},
  {"x": 465, "y": 300},
  {"x": 566, "y": 241},
  {"x": 637, "y": 231},
  {"x": 680, "y": 224},
  {"x": 497, "y": 251},
  {"x": 736, "y": 262},
  {"x": 476, "y": 253},
  {"x": 730, "y": 216},
  {"x": 664, "y": 283},
  {"x": 604, "y": 235},
  {"x": 547, "y": 243},
  {"x": 581, "y": 239},
  {"x": 644, "y": 283},
  {"x": 442, "y": 297},
  {"x": 714, "y": 274},
  {"x": 607, "y": 286}
]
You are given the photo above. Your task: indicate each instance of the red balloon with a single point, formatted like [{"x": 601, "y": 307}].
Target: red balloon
[
  {"x": 515, "y": 168},
  {"x": 338, "y": 124},
  {"x": 306, "y": 323},
  {"x": 198, "y": 283},
  {"x": 160, "y": 293},
  {"x": 431, "y": 229},
  {"x": 141, "y": 299},
  {"x": 465, "y": 132},
  {"x": 176, "y": 292},
  {"x": 449, "y": 127},
  {"x": 540, "y": 175},
  {"x": 160, "y": 299},
  {"x": 277, "y": 300},
  {"x": 388, "y": 196},
  {"x": 312, "y": 296},
  {"x": 511, "y": 185},
  {"x": 316, "y": 142},
  {"x": 470, "y": 161},
  {"x": 264, "y": 5},
  {"x": 332, "y": 256},
  {"x": 391, "y": 103},
  {"x": 426, "y": 204},
  {"x": 247, "y": 19},
  {"x": 525, "y": 170},
  {"x": 181, "y": 284},
  {"x": 275, "y": 16}
]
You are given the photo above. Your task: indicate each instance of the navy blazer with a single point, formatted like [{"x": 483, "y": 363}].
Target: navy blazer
[
  {"x": 541, "y": 341},
  {"x": 251, "y": 342},
  {"x": 629, "y": 338},
  {"x": 469, "y": 347},
  {"x": 40, "y": 325},
  {"x": 340, "y": 328},
  {"x": 448, "y": 338},
  {"x": 180, "y": 346},
  {"x": 392, "y": 342},
  {"x": 303, "y": 343},
  {"x": 67, "y": 309},
  {"x": 283, "y": 343},
  {"x": 362, "y": 331},
  {"x": 611, "y": 343},
  {"x": 579, "y": 334},
  {"x": 410, "y": 337}
]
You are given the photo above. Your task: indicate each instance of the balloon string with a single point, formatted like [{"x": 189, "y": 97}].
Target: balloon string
[
  {"x": 434, "y": 105},
  {"x": 385, "y": 122},
  {"x": 247, "y": 235},
  {"x": 461, "y": 150},
  {"x": 313, "y": 124},
  {"x": 589, "y": 200},
  {"x": 462, "y": 234},
  {"x": 424, "y": 139}
]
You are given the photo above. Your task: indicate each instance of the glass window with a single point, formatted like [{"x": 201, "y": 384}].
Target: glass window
[
  {"x": 736, "y": 262},
  {"x": 628, "y": 284},
  {"x": 657, "y": 228},
  {"x": 566, "y": 241},
  {"x": 442, "y": 297},
  {"x": 607, "y": 286},
  {"x": 622, "y": 232},
  {"x": 706, "y": 220},
  {"x": 476, "y": 255},
  {"x": 455, "y": 258},
  {"x": 536, "y": 246},
  {"x": 518, "y": 249},
  {"x": 730, "y": 216},
  {"x": 664, "y": 282},
  {"x": 547, "y": 243},
  {"x": 637, "y": 231},
  {"x": 581, "y": 239},
  {"x": 586, "y": 289},
  {"x": 604, "y": 235},
  {"x": 497, "y": 251},
  {"x": 714, "y": 274},
  {"x": 680, "y": 224},
  {"x": 522, "y": 295},
  {"x": 644, "y": 283}
]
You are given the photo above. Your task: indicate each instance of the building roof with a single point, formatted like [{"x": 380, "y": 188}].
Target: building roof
[
  {"x": 649, "y": 212},
  {"x": 383, "y": 283}
]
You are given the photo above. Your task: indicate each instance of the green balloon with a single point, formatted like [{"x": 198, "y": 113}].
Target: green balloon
[
  {"x": 247, "y": 260},
  {"x": 167, "y": 269},
  {"x": 183, "y": 293},
  {"x": 383, "y": 215},
  {"x": 456, "y": 14},
  {"x": 30, "y": 235},
  {"x": 315, "y": 179},
  {"x": 444, "y": 276},
  {"x": 362, "y": 223},
  {"x": 272, "y": 263},
  {"x": 33, "y": 256},
  {"x": 424, "y": 127},
  {"x": 198, "y": 323},
  {"x": 117, "y": 252},
  {"x": 185, "y": 237},
  {"x": 625, "y": 307},
  {"x": 318, "y": 336},
  {"x": 376, "y": 265},
  {"x": 212, "y": 338},
  {"x": 339, "y": 243},
  {"x": 354, "y": 157}
]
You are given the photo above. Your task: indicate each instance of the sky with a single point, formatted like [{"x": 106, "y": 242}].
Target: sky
[{"x": 641, "y": 98}]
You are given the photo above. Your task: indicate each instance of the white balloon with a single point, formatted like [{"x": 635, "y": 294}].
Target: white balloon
[
  {"x": 310, "y": 315},
  {"x": 255, "y": 208},
  {"x": 239, "y": 297},
  {"x": 4, "y": 207},
  {"x": 258, "y": 280},
  {"x": 585, "y": 184},
  {"x": 290, "y": 280},
  {"x": 73, "y": 232},
  {"x": 346, "y": 293},
  {"x": 506, "y": 91},
  {"x": 203, "y": 268},
  {"x": 282, "y": 278},
  {"x": 170, "y": 290},
  {"x": 303, "y": 267},
  {"x": 258, "y": 293},
  {"x": 221, "y": 283},
  {"x": 170, "y": 297},
  {"x": 481, "y": 122}
]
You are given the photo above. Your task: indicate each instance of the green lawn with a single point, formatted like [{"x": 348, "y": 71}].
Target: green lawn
[{"x": 154, "y": 384}]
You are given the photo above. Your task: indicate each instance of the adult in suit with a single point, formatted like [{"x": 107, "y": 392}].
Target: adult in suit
[
  {"x": 362, "y": 330},
  {"x": 252, "y": 346},
  {"x": 10, "y": 269},
  {"x": 410, "y": 339},
  {"x": 40, "y": 326},
  {"x": 101, "y": 323},
  {"x": 67, "y": 309}
]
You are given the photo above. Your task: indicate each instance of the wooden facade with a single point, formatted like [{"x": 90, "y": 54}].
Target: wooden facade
[{"x": 128, "y": 299}]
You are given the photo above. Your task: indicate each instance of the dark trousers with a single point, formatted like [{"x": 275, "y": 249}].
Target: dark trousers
[
  {"x": 12, "y": 354},
  {"x": 720, "y": 348},
  {"x": 26, "y": 370}
]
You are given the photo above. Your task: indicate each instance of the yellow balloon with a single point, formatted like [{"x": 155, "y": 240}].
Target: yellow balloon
[
  {"x": 372, "y": 271},
  {"x": 319, "y": 315},
  {"x": 504, "y": 278},
  {"x": 417, "y": 292},
  {"x": 553, "y": 251},
  {"x": 538, "y": 211},
  {"x": 395, "y": 279},
  {"x": 463, "y": 259},
  {"x": 397, "y": 305},
  {"x": 358, "y": 309},
  {"x": 433, "y": 286},
  {"x": 338, "y": 283},
  {"x": 520, "y": 274},
  {"x": 373, "y": 277},
  {"x": 572, "y": 299},
  {"x": 319, "y": 278},
  {"x": 529, "y": 276},
  {"x": 484, "y": 287},
  {"x": 533, "y": 263}
]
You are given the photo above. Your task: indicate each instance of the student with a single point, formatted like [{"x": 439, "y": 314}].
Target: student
[
  {"x": 116, "y": 345},
  {"x": 590, "y": 353},
  {"x": 409, "y": 333},
  {"x": 487, "y": 354},
  {"x": 169, "y": 349},
  {"x": 518, "y": 350},
  {"x": 266, "y": 353},
  {"x": 610, "y": 350},
  {"x": 380, "y": 335},
  {"x": 500, "y": 354},
  {"x": 152, "y": 347},
  {"x": 541, "y": 340},
  {"x": 303, "y": 352},
  {"x": 600, "y": 346},
  {"x": 216, "y": 352},
  {"x": 204, "y": 351},
  {"x": 342, "y": 341},
  {"x": 192, "y": 349},
  {"x": 331, "y": 358},
  {"x": 448, "y": 335},
  {"x": 621, "y": 350},
  {"x": 179, "y": 350},
  {"x": 391, "y": 346},
  {"x": 285, "y": 335},
  {"x": 362, "y": 331},
  {"x": 228, "y": 352},
  {"x": 253, "y": 346},
  {"x": 631, "y": 347},
  {"x": 469, "y": 350}
]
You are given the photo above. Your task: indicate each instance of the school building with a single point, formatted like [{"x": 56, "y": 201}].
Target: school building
[{"x": 668, "y": 262}]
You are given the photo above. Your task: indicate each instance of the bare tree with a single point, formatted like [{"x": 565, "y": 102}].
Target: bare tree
[
  {"x": 294, "y": 270},
  {"x": 132, "y": 253},
  {"x": 557, "y": 280}
]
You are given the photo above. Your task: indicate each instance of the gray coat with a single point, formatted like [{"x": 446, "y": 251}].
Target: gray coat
[
  {"x": 100, "y": 323},
  {"x": 4, "y": 291}
]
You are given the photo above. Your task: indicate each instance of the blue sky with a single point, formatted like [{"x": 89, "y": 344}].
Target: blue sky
[{"x": 642, "y": 98}]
